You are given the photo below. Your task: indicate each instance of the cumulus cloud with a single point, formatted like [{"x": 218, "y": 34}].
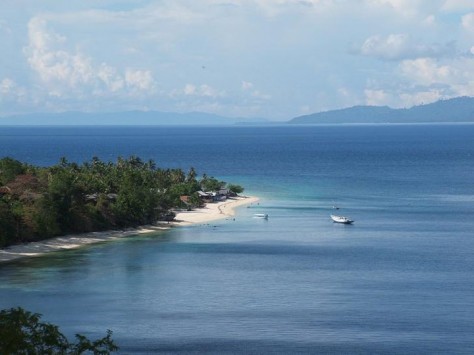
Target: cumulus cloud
[
  {"x": 426, "y": 71},
  {"x": 402, "y": 46},
  {"x": 425, "y": 80},
  {"x": 291, "y": 54},
  {"x": 65, "y": 72},
  {"x": 140, "y": 80},
  {"x": 456, "y": 76}
]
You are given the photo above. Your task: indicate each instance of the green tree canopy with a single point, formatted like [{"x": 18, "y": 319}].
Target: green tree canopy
[
  {"x": 9, "y": 169},
  {"x": 42, "y": 202},
  {"x": 210, "y": 183},
  {"x": 236, "y": 189},
  {"x": 22, "y": 332}
]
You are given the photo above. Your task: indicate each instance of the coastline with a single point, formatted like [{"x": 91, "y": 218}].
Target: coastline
[{"x": 208, "y": 213}]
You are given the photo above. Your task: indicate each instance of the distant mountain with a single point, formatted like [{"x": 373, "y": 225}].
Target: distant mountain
[
  {"x": 128, "y": 118},
  {"x": 459, "y": 109}
]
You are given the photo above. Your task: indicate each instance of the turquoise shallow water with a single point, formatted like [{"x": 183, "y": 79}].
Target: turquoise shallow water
[{"x": 397, "y": 281}]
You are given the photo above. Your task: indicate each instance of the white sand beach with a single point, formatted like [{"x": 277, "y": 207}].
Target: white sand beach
[{"x": 211, "y": 212}]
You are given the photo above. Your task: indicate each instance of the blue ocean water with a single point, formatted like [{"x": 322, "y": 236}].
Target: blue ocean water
[{"x": 400, "y": 280}]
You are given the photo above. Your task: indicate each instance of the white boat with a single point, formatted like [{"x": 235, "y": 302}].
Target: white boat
[
  {"x": 341, "y": 219},
  {"x": 261, "y": 215}
]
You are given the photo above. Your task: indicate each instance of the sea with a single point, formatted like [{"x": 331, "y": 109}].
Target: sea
[{"x": 399, "y": 280}]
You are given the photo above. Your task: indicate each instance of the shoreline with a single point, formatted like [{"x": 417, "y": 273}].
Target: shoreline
[{"x": 208, "y": 213}]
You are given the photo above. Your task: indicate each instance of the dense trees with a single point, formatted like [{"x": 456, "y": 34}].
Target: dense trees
[
  {"x": 22, "y": 332},
  {"x": 10, "y": 168},
  {"x": 236, "y": 189},
  {"x": 42, "y": 202}
]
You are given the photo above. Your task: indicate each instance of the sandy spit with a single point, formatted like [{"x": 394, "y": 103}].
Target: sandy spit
[{"x": 211, "y": 212}]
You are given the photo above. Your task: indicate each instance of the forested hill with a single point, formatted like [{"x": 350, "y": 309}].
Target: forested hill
[
  {"x": 42, "y": 202},
  {"x": 459, "y": 109}
]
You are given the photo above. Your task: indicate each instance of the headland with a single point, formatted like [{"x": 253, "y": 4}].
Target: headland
[{"x": 210, "y": 212}]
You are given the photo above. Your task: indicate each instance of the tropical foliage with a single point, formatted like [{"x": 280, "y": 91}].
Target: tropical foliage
[
  {"x": 43, "y": 202},
  {"x": 22, "y": 332}
]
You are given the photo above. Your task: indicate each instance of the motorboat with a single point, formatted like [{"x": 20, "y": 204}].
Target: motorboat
[
  {"x": 341, "y": 219},
  {"x": 261, "y": 215}
]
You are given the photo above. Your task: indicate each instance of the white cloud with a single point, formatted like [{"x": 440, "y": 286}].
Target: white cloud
[
  {"x": 426, "y": 71},
  {"x": 407, "y": 8},
  {"x": 403, "y": 97},
  {"x": 247, "y": 85},
  {"x": 457, "y": 5},
  {"x": 68, "y": 73},
  {"x": 139, "y": 79},
  {"x": 249, "y": 88},
  {"x": 377, "y": 97},
  {"x": 425, "y": 80},
  {"x": 421, "y": 97},
  {"x": 11, "y": 92},
  {"x": 429, "y": 21},
  {"x": 189, "y": 89},
  {"x": 402, "y": 46},
  {"x": 292, "y": 53},
  {"x": 179, "y": 11},
  {"x": 113, "y": 81},
  {"x": 467, "y": 22},
  {"x": 260, "y": 95},
  {"x": 6, "y": 86},
  {"x": 274, "y": 8},
  {"x": 206, "y": 90},
  {"x": 203, "y": 90}
]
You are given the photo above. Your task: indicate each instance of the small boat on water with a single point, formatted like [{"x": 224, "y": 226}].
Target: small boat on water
[
  {"x": 341, "y": 219},
  {"x": 261, "y": 215}
]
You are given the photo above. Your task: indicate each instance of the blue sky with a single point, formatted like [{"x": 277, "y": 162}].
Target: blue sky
[{"x": 242, "y": 58}]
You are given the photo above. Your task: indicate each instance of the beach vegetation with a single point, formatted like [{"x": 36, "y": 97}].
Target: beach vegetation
[
  {"x": 210, "y": 183},
  {"x": 235, "y": 189},
  {"x": 37, "y": 203},
  {"x": 195, "y": 200}
]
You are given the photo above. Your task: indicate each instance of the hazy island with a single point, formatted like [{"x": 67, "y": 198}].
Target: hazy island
[
  {"x": 454, "y": 110},
  {"x": 37, "y": 203}
]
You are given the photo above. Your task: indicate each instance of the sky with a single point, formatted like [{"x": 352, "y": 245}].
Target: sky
[{"x": 273, "y": 59}]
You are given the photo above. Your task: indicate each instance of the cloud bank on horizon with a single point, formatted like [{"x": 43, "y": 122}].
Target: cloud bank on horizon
[{"x": 250, "y": 58}]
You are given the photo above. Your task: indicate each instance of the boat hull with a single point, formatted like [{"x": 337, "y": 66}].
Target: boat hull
[{"x": 341, "y": 219}]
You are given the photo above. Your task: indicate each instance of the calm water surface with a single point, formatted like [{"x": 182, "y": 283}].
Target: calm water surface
[{"x": 400, "y": 280}]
